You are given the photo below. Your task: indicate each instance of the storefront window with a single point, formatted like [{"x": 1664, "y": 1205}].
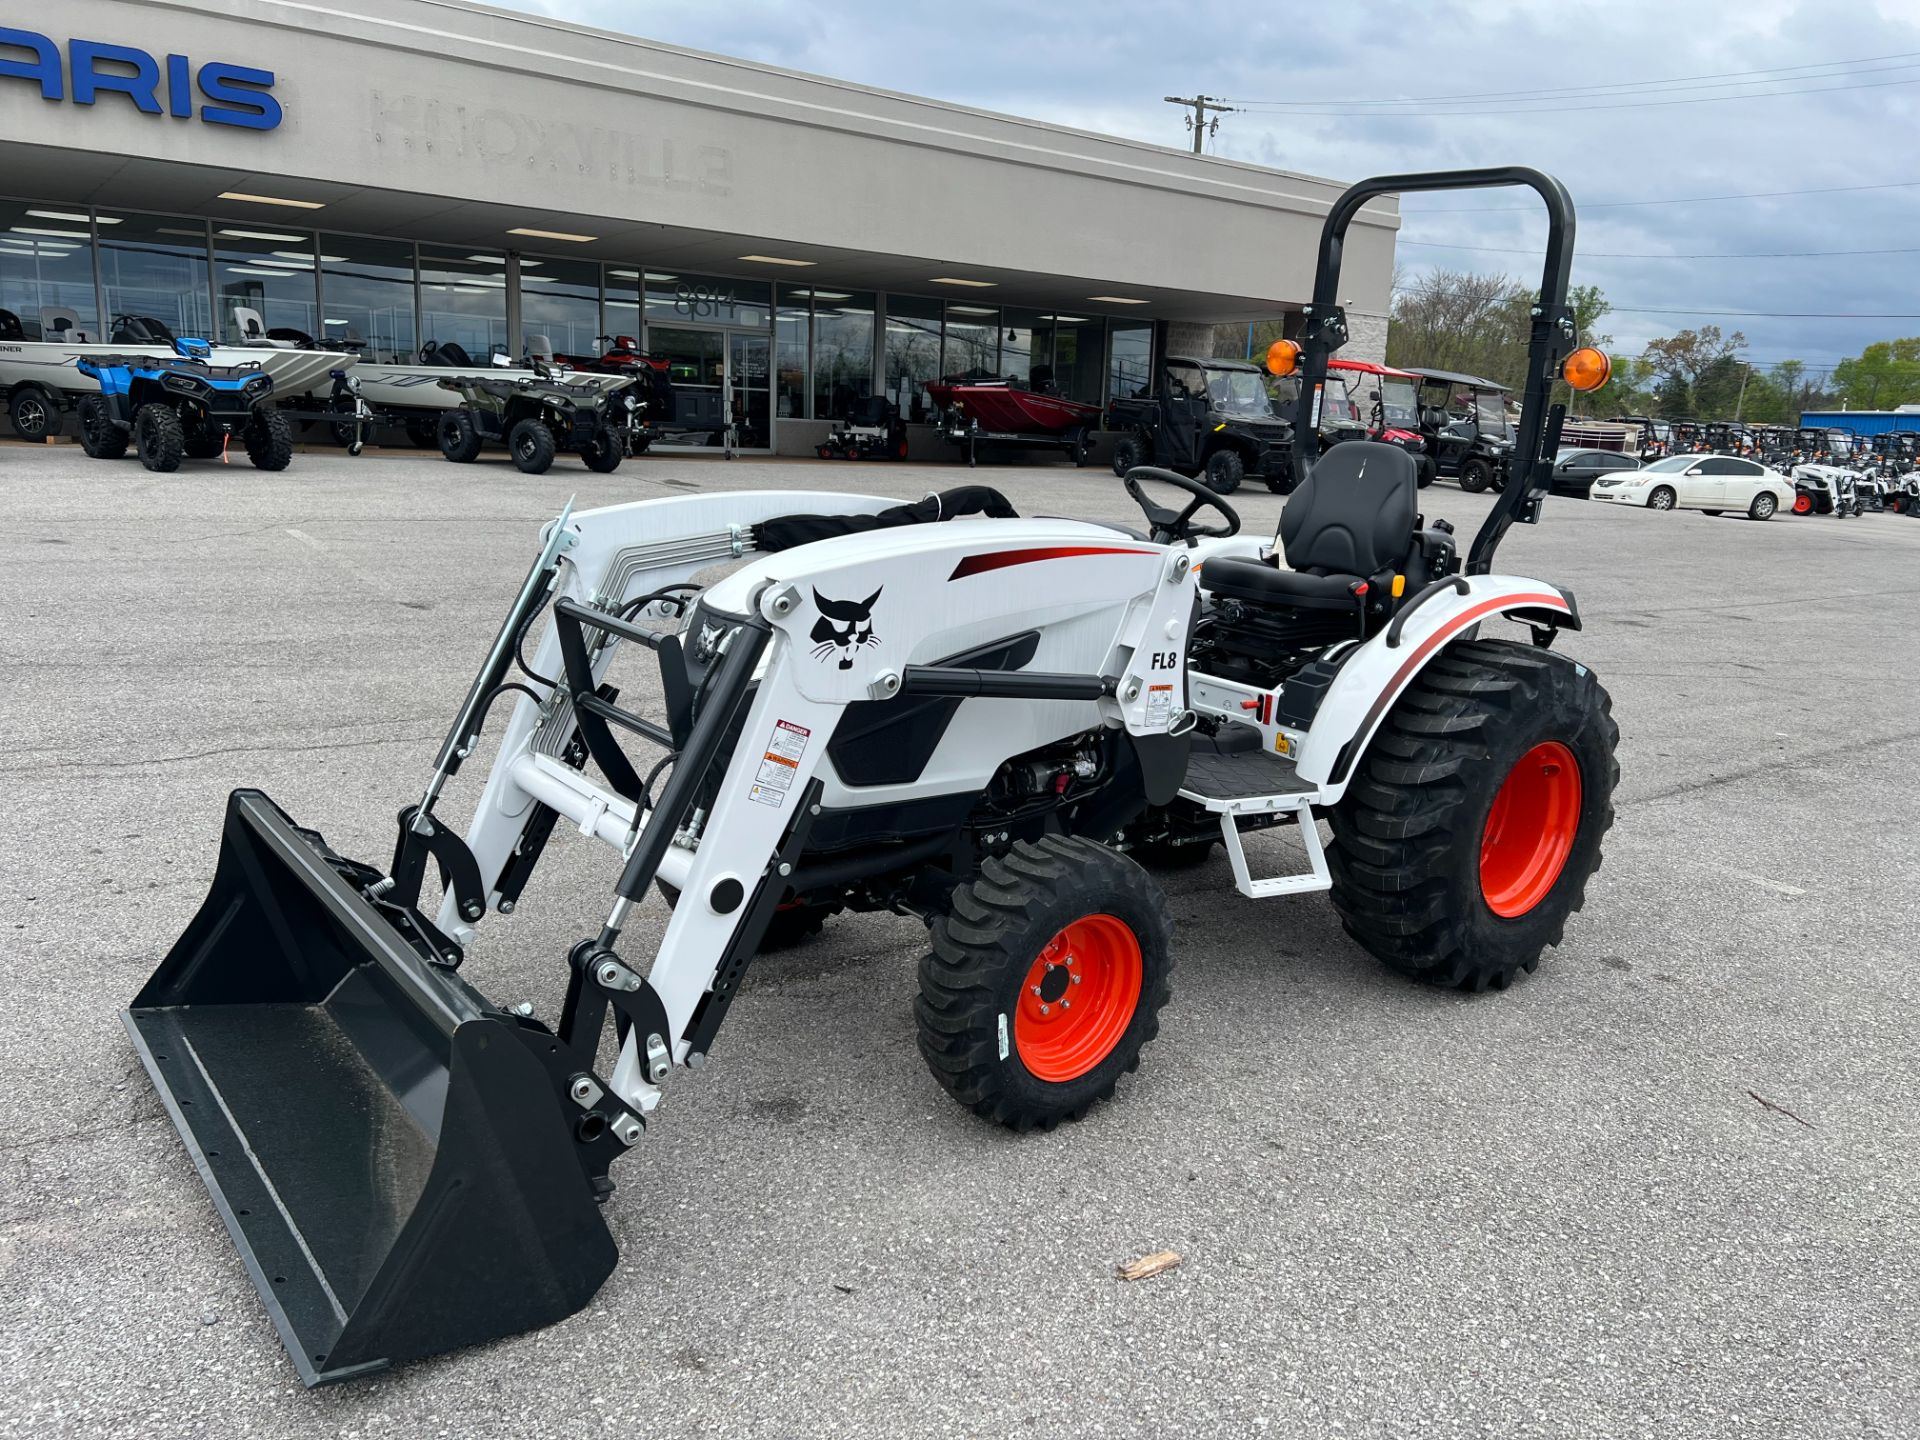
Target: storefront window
[
  {"x": 560, "y": 299},
  {"x": 674, "y": 299},
  {"x": 623, "y": 303},
  {"x": 155, "y": 267},
  {"x": 46, "y": 273},
  {"x": 842, "y": 351},
  {"x": 792, "y": 342},
  {"x": 269, "y": 273},
  {"x": 369, "y": 292},
  {"x": 973, "y": 342},
  {"x": 463, "y": 301},
  {"x": 1129, "y": 361},
  {"x": 1023, "y": 345},
  {"x": 1077, "y": 356},
  {"x": 913, "y": 353}
]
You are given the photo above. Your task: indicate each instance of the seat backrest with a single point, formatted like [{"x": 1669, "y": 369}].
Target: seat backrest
[
  {"x": 249, "y": 322},
  {"x": 540, "y": 347},
  {"x": 1355, "y": 513}
]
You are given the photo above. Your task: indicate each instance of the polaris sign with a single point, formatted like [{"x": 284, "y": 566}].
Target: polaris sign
[{"x": 227, "y": 94}]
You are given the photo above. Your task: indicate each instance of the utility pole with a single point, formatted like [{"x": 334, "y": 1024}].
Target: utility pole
[
  {"x": 1198, "y": 122},
  {"x": 1741, "y": 403}
]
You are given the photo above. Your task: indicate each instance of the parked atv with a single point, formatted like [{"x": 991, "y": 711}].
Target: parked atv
[
  {"x": 873, "y": 427},
  {"x": 1463, "y": 420},
  {"x": 173, "y": 407},
  {"x": 595, "y": 416},
  {"x": 1208, "y": 417}
]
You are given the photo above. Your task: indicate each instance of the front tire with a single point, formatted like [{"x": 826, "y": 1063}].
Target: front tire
[
  {"x": 532, "y": 447},
  {"x": 99, "y": 436},
  {"x": 1475, "y": 476},
  {"x": 1475, "y": 820},
  {"x": 1129, "y": 454},
  {"x": 1763, "y": 506},
  {"x": 158, "y": 438},
  {"x": 1045, "y": 981},
  {"x": 1224, "y": 471},
  {"x": 269, "y": 440},
  {"x": 601, "y": 456},
  {"x": 1662, "y": 498}
]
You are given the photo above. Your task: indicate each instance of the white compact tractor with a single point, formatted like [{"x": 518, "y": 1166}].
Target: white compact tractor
[{"x": 997, "y": 723}]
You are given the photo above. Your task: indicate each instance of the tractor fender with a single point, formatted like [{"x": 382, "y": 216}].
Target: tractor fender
[{"x": 1376, "y": 673}]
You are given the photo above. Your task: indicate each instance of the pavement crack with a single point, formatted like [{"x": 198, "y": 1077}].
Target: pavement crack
[
  {"x": 1767, "y": 1104},
  {"x": 221, "y": 750},
  {"x": 1823, "y": 761}
]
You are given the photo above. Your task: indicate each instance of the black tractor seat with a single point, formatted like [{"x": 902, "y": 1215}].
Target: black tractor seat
[{"x": 1352, "y": 523}]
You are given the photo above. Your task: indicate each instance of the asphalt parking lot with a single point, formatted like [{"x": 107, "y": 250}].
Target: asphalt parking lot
[{"x": 1665, "y": 1187}]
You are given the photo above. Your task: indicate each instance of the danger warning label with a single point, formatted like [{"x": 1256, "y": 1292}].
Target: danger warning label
[{"x": 779, "y": 763}]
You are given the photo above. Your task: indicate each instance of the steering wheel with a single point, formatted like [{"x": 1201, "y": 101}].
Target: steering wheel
[
  {"x": 428, "y": 351},
  {"x": 1169, "y": 526}
]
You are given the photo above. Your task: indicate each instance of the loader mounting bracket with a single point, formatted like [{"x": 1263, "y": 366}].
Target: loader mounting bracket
[
  {"x": 422, "y": 838},
  {"x": 598, "y": 980}
]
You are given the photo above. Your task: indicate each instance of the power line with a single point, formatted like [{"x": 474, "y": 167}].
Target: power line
[
  {"x": 1465, "y": 97},
  {"x": 1645, "y": 255},
  {"x": 1613, "y": 309},
  {"x": 1675, "y": 200},
  {"x": 1557, "y": 109}
]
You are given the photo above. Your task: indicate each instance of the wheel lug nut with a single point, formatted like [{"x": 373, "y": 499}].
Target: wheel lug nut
[
  {"x": 1036, "y": 989},
  {"x": 1066, "y": 1004},
  {"x": 1046, "y": 1009},
  {"x": 1074, "y": 978}
]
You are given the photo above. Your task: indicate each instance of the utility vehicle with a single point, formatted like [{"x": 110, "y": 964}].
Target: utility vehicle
[
  {"x": 595, "y": 416},
  {"x": 1824, "y": 490},
  {"x": 1206, "y": 417},
  {"x": 173, "y": 407},
  {"x": 939, "y": 708},
  {"x": 1463, "y": 420},
  {"x": 1377, "y": 403},
  {"x": 873, "y": 427}
]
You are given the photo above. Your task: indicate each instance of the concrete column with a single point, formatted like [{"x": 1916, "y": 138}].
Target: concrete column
[
  {"x": 1189, "y": 337},
  {"x": 1366, "y": 337}
]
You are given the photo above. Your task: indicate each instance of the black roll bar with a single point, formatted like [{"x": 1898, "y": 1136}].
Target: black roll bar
[{"x": 1554, "y": 335}]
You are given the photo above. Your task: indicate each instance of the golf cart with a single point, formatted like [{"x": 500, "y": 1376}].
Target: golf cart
[
  {"x": 873, "y": 427},
  {"x": 1208, "y": 417},
  {"x": 1366, "y": 401},
  {"x": 595, "y": 416},
  {"x": 1656, "y": 436},
  {"x": 170, "y": 408},
  {"x": 1463, "y": 420},
  {"x": 1729, "y": 437},
  {"x": 872, "y": 706}
]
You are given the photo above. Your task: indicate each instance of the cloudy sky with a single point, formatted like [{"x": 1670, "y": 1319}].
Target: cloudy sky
[{"x": 1643, "y": 100}]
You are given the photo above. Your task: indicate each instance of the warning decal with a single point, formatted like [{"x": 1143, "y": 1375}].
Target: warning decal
[
  {"x": 1159, "y": 706},
  {"x": 780, "y": 763}
]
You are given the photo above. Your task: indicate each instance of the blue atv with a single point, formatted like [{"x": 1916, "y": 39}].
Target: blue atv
[{"x": 170, "y": 407}]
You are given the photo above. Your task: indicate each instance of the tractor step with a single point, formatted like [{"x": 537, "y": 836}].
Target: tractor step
[{"x": 1252, "y": 783}]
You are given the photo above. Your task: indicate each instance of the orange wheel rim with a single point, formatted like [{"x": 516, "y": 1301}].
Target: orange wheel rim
[
  {"x": 1801, "y": 504},
  {"x": 1078, "y": 998},
  {"x": 1530, "y": 830}
]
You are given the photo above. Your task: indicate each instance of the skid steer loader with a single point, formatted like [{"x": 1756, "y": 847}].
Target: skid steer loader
[{"x": 937, "y": 707}]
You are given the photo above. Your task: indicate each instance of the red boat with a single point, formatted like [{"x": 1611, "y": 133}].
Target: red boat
[{"x": 998, "y": 412}]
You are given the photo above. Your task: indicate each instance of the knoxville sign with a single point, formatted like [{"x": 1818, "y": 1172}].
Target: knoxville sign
[{"x": 220, "y": 94}]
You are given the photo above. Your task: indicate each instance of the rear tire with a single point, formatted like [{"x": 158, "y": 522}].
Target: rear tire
[
  {"x": 269, "y": 440},
  {"x": 1224, "y": 471},
  {"x": 1080, "y": 448},
  {"x": 99, "y": 436},
  {"x": 1128, "y": 454},
  {"x": 1475, "y": 819},
  {"x": 1034, "y": 919},
  {"x": 158, "y": 438},
  {"x": 531, "y": 445},
  {"x": 1428, "y": 472},
  {"x": 1763, "y": 506},
  {"x": 459, "y": 441},
  {"x": 34, "y": 413}
]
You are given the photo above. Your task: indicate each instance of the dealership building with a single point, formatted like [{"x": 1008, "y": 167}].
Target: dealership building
[{"x": 405, "y": 173}]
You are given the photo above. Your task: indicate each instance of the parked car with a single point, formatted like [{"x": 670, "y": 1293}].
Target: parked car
[
  {"x": 1712, "y": 483},
  {"x": 1574, "y": 471}
]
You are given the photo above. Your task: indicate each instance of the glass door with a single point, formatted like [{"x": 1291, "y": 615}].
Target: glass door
[
  {"x": 749, "y": 390},
  {"x": 696, "y": 372}
]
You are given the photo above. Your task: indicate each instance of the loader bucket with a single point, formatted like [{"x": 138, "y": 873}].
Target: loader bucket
[{"x": 386, "y": 1147}]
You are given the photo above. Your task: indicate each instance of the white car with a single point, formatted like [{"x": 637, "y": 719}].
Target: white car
[{"x": 1700, "y": 482}]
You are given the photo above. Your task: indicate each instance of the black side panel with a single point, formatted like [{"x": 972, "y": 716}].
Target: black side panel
[{"x": 888, "y": 742}]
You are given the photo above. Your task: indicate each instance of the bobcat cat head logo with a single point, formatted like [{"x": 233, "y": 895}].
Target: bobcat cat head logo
[{"x": 843, "y": 627}]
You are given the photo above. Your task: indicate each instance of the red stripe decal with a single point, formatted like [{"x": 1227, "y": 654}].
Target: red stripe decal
[
  {"x": 981, "y": 564},
  {"x": 1440, "y": 637}
]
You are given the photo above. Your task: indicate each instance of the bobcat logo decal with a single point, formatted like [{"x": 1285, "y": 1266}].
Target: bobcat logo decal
[{"x": 843, "y": 627}]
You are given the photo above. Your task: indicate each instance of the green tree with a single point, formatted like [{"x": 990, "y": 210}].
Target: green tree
[{"x": 1884, "y": 375}]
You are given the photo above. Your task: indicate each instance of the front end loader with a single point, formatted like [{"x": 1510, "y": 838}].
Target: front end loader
[{"x": 848, "y": 703}]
